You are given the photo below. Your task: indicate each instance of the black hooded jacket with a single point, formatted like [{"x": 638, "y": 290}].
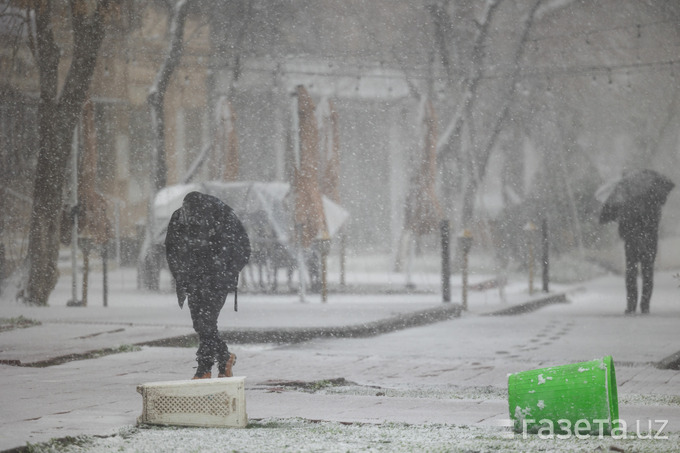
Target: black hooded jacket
[
  {"x": 639, "y": 227},
  {"x": 206, "y": 246}
]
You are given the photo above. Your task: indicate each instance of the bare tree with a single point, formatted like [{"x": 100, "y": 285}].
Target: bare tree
[
  {"x": 482, "y": 150},
  {"x": 58, "y": 113},
  {"x": 149, "y": 265},
  {"x": 475, "y": 160}
]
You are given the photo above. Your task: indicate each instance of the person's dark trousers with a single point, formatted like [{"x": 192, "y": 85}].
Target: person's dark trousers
[
  {"x": 647, "y": 268},
  {"x": 646, "y": 260},
  {"x": 205, "y": 306}
]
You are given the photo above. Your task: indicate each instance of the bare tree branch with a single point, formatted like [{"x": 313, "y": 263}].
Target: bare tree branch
[
  {"x": 149, "y": 259},
  {"x": 480, "y": 158},
  {"x": 443, "y": 26}
]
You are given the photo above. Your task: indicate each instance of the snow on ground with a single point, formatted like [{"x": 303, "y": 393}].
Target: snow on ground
[
  {"x": 297, "y": 435},
  {"x": 438, "y": 387}
]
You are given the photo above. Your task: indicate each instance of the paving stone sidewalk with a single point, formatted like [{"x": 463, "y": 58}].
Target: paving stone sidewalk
[{"x": 427, "y": 362}]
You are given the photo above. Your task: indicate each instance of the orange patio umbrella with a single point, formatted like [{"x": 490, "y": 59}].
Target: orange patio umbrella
[
  {"x": 331, "y": 152},
  {"x": 93, "y": 220},
  {"x": 309, "y": 214},
  {"x": 226, "y": 142}
]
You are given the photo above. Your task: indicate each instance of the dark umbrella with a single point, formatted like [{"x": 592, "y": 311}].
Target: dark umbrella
[{"x": 636, "y": 188}]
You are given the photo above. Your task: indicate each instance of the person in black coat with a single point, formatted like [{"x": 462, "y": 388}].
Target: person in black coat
[
  {"x": 206, "y": 247},
  {"x": 639, "y": 229}
]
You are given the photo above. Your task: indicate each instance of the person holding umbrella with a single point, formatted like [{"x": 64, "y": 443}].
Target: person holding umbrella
[{"x": 635, "y": 201}]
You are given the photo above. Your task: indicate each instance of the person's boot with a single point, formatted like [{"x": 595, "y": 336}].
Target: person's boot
[
  {"x": 644, "y": 303},
  {"x": 225, "y": 370},
  {"x": 203, "y": 371}
]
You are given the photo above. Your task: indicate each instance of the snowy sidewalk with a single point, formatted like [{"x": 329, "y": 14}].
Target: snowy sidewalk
[
  {"x": 139, "y": 318},
  {"x": 452, "y": 371}
]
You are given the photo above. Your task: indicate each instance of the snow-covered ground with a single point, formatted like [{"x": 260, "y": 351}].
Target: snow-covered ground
[{"x": 436, "y": 387}]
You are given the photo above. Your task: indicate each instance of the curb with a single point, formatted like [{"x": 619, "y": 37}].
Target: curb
[
  {"x": 297, "y": 335},
  {"x": 399, "y": 322},
  {"x": 532, "y": 305},
  {"x": 672, "y": 362}
]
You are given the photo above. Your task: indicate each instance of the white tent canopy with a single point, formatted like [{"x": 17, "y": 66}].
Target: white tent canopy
[{"x": 253, "y": 202}]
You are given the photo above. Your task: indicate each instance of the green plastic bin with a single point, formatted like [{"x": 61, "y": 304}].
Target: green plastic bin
[{"x": 580, "y": 398}]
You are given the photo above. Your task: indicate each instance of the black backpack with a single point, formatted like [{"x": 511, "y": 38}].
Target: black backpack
[{"x": 239, "y": 253}]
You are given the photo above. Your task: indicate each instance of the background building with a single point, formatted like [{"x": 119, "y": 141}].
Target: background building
[{"x": 565, "y": 96}]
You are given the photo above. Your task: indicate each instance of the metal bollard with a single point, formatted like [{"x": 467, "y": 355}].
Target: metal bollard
[
  {"x": 446, "y": 261},
  {"x": 465, "y": 244},
  {"x": 530, "y": 228},
  {"x": 546, "y": 257},
  {"x": 325, "y": 248}
]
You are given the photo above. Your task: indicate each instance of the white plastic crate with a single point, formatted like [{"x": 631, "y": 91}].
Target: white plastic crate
[{"x": 217, "y": 402}]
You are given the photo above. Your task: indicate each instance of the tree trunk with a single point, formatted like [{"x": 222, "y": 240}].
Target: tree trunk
[
  {"x": 149, "y": 263},
  {"x": 43, "y": 244},
  {"x": 57, "y": 118}
]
